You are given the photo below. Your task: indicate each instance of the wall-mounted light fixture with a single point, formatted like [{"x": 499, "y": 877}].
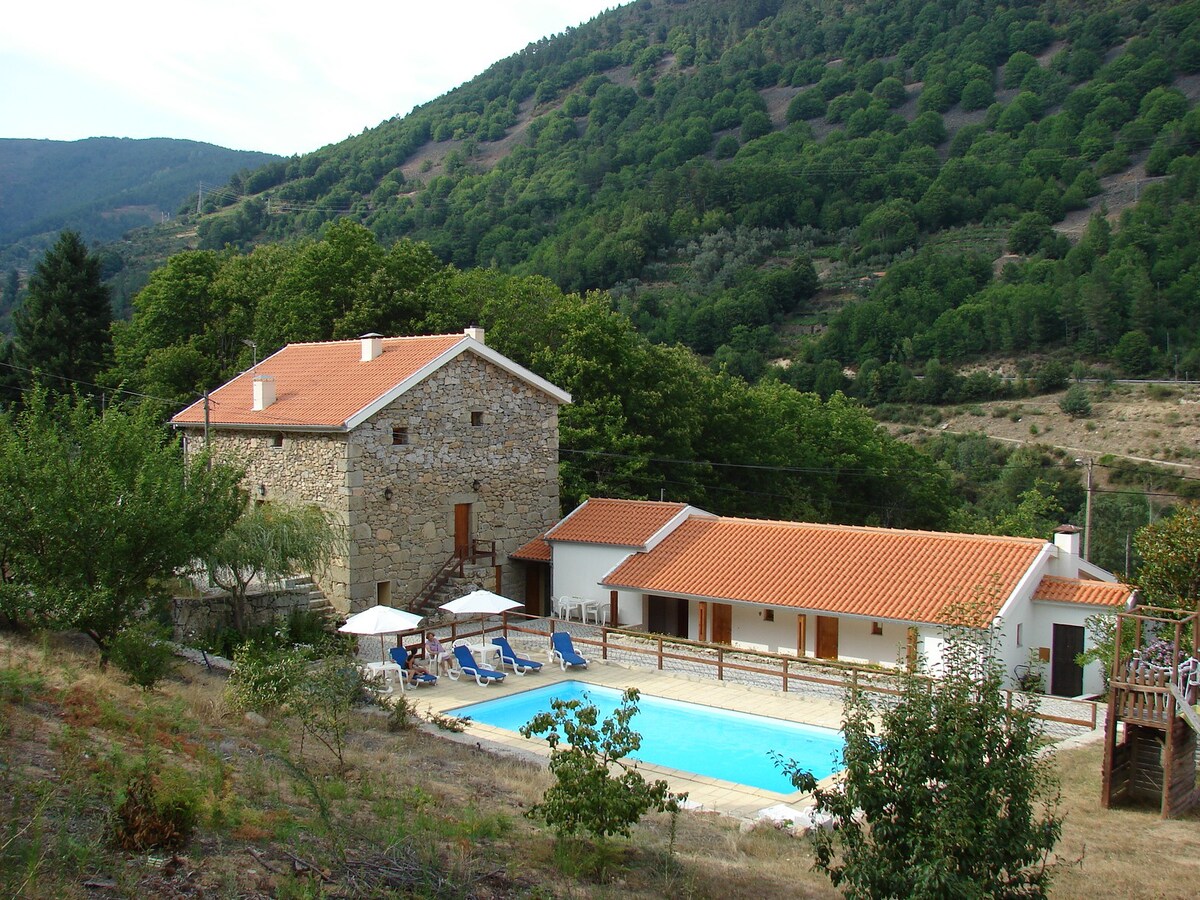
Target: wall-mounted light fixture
[
  {"x": 475, "y": 485},
  {"x": 387, "y": 494},
  {"x": 262, "y": 490}
]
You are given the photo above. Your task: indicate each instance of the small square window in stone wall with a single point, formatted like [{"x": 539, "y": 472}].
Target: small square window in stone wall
[
  {"x": 476, "y": 417},
  {"x": 277, "y": 439},
  {"x": 399, "y": 435}
]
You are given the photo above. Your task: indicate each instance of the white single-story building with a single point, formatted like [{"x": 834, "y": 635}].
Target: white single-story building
[{"x": 856, "y": 594}]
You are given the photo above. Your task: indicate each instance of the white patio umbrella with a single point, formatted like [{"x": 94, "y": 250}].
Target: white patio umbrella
[
  {"x": 381, "y": 620},
  {"x": 481, "y": 602}
]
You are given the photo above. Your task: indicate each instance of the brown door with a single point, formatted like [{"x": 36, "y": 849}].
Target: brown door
[
  {"x": 535, "y": 574},
  {"x": 1066, "y": 675},
  {"x": 722, "y": 623},
  {"x": 462, "y": 530},
  {"x": 827, "y": 637}
]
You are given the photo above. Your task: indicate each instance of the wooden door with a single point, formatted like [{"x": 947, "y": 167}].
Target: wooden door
[
  {"x": 462, "y": 530},
  {"x": 827, "y": 637},
  {"x": 1066, "y": 675},
  {"x": 668, "y": 615},
  {"x": 722, "y": 623},
  {"x": 536, "y": 577}
]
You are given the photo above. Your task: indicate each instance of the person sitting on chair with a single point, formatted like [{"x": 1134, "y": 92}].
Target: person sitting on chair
[
  {"x": 435, "y": 652},
  {"x": 415, "y": 670}
]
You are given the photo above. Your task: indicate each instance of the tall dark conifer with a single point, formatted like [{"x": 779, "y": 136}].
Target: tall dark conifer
[{"x": 63, "y": 328}]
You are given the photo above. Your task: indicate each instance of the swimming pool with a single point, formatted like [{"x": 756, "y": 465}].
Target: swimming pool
[{"x": 731, "y": 746}]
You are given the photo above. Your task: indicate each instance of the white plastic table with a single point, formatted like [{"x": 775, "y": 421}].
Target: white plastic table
[
  {"x": 385, "y": 669},
  {"x": 481, "y": 652}
]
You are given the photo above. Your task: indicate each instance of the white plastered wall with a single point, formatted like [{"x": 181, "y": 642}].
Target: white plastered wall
[{"x": 577, "y": 571}]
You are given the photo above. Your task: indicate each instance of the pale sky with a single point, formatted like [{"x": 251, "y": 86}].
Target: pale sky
[{"x": 283, "y": 77}]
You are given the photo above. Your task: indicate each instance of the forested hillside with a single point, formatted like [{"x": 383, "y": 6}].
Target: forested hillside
[
  {"x": 683, "y": 212},
  {"x": 698, "y": 158},
  {"x": 101, "y": 187}
]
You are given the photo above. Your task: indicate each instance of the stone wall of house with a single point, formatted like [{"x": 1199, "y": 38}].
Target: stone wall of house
[
  {"x": 297, "y": 468},
  {"x": 474, "y": 434}
]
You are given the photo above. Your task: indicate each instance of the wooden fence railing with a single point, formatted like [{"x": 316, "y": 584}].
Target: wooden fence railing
[{"x": 791, "y": 671}]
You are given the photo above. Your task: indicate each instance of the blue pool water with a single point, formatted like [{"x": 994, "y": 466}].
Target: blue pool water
[{"x": 731, "y": 746}]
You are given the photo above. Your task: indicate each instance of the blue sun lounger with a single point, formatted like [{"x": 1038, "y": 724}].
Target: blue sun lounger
[
  {"x": 466, "y": 663},
  {"x": 508, "y": 657},
  {"x": 563, "y": 651},
  {"x": 400, "y": 658}
]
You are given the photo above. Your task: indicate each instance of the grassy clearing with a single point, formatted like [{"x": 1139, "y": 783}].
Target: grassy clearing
[{"x": 412, "y": 814}]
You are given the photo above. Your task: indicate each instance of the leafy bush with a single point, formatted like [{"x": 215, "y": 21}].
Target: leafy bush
[
  {"x": 586, "y": 795},
  {"x": 264, "y": 675},
  {"x": 945, "y": 791},
  {"x": 143, "y": 653},
  {"x": 323, "y": 700},
  {"x": 156, "y": 809}
]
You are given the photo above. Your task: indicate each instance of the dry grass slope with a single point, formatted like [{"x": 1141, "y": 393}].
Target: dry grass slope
[{"x": 411, "y": 814}]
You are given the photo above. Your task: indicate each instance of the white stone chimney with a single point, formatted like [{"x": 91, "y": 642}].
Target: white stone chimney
[
  {"x": 475, "y": 333},
  {"x": 264, "y": 391},
  {"x": 372, "y": 346},
  {"x": 1066, "y": 539}
]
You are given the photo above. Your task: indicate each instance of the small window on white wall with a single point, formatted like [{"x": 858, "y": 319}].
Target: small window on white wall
[{"x": 1020, "y": 636}]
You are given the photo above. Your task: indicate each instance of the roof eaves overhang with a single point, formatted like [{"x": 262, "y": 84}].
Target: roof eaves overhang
[
  {"x": 675, "y": 521},
  {"x": 702, "y": 598},
  {"x": 1076, "y": 604},
  {"x": 1027, "y": 583},
  {"x": 262, "y": 426},
  {"x": 450, "y": 353}
]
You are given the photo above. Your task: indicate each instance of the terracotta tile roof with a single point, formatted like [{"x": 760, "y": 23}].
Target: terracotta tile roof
[
  {"x": 321, "y": 384},
  {"x": 879, "y": 573},
  {"x": 536, "y": 550},
  {"x": 327, "y": 385},
  {"x": 623, "y": 523},
  {"x": 1077, "y": 590}
]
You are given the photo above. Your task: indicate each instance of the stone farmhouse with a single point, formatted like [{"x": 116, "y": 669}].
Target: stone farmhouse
[
  {"x": 856, "y": 594},
  {"x": 424, "y": 452}
]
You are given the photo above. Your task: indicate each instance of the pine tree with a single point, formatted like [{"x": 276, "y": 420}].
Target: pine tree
[{"x": 62, "y": 329}]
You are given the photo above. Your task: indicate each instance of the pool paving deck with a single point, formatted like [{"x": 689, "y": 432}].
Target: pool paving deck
[{"x": 703, "y": 792}]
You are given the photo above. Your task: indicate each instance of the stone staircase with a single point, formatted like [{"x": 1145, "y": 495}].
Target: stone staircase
[
  {"x": 453, "y": 581},
  {"x": 318, "y": 603}
]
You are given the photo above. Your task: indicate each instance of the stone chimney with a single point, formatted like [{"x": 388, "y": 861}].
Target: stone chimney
[
  {"x": 475, "y": 333},
  {"x": 264, "y": 391},
  {"x": 372, "y": 346},
  {"x": 1066, "y": 539}
]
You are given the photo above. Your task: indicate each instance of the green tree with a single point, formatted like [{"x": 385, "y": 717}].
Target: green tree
[
  {"x": 62, "y": 329},
  {"x": 1134, "y": 353},
  {"x": 12, "y": 290},
  {"x": 1169, "y": 574},
  {"x": 267, "y": 542},
  {"x": 587, "y": 796},
  {"x": 945, "y": 792},
  {"x": 1076, "y": 402},
  {"x": 96, "y": 511}
]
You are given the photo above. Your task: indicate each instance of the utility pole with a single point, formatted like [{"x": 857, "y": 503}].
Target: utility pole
[
  {"x": 206, "y": 447},
  {"x": 1087, "y": 515},
  {"x": 199, "y": 197}
]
